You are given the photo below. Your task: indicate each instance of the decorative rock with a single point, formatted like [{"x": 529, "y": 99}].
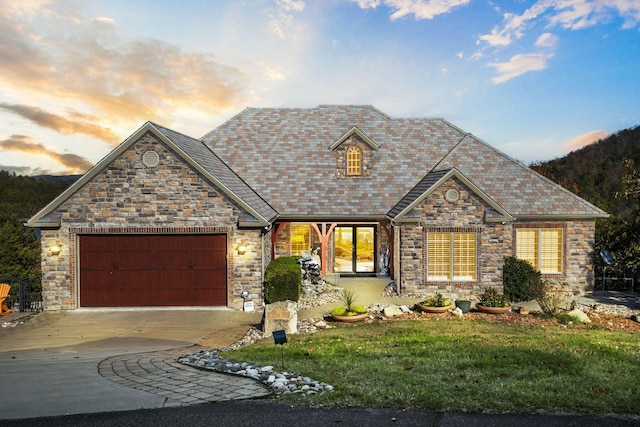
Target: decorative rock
[
  {"x": 458, "y": 312},
  {"x": 392, "y": 310},
  {"x": 579, "y": 315},
  {"x": 281, "y": 315},
  {"x": 524, "y": 310},
  {"x": 321, "y": 324}
]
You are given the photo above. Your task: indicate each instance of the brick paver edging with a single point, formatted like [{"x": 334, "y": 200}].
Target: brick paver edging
[{"x": 159, "y": 373}]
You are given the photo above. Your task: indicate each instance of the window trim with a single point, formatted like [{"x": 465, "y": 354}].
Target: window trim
[
  {"x": 354, "y": 161},
  {"x": 451, "y": 254},
  {"x": 538, "y": 252}
]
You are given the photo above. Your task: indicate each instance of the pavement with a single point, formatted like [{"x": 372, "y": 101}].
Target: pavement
[{"x": 93, "y": 361}]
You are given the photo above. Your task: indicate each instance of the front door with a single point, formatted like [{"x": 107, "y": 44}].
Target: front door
[{"x": 354, "y": 249}]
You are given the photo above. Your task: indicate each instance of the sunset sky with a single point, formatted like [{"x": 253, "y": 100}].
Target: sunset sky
[{"x": 535, "y": 79}]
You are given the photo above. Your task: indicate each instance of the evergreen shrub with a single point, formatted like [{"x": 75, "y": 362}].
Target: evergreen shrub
[
  {"x": 283, "y": 280},
  {"x": 521, "y": 281}
]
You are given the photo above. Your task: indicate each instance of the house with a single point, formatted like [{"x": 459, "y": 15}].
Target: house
[{"x": 166, "y": 219}]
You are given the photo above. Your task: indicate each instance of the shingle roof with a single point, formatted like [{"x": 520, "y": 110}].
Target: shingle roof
[
  {"x": 285, "y": 155},
  {"x": 203, "y": 156},
  {"x": 423, "y": 186}
]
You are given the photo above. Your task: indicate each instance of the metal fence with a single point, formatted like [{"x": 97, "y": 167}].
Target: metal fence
[{"x": 24, "y": 295}]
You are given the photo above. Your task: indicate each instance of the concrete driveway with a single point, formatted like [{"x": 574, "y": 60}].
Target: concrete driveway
[{"x": 49, "y": 365}]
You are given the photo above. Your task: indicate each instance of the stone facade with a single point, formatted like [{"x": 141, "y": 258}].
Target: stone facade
[
  {"x": 495, "y": 241},
  {"x": 577, "y": 275},
  {"x": 366, "y": 159},
  {"x": 129, "y": 197}
]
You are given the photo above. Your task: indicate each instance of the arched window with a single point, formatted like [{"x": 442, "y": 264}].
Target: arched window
[{"x": 354, "y": 161}]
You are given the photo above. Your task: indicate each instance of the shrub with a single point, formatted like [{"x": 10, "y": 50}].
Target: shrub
[
  {"x": 359, "y": 309},
  {"x": 521, "y": 281},
  {"x": 339, "y": 311},
  {"x": 551, "y": 304},
  {"x": 283, "y": 280},
  {"x": 492, "y": 298},
  {"x": 437, "y": 301}
]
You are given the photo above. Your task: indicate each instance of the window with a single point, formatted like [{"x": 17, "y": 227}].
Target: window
[
  {"x": 451, "y": 257},
  {"x": 299, "y": 239},
  {"x": 354, "y": 161},
  {"x": 541, "y": 247}
]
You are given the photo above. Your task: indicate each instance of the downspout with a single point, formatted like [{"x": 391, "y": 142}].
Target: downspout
[{"x": 397, "y": 266}]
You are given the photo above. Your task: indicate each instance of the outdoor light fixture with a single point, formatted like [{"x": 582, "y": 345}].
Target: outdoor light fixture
[
  {"x": 280, "y": 337},
  {"x": 242, "y": 247},
  {"x": 56, "y": 248}
]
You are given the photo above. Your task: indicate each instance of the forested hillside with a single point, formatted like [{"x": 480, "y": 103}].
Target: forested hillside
[
  {"x": 595, "y": 172},
  {"x": 607, "y": 173},
  {"x": 20, "y": 198},
  {"x": 23, "y": 196}
]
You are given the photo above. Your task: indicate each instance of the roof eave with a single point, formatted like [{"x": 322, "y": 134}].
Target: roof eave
[{"x": 563, "y": 217}]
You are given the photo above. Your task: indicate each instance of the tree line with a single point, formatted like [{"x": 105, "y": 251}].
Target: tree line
[{"x": 607, "y": 174}]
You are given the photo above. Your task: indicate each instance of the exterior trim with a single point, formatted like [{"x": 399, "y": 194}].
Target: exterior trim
[
  {"x": 148, "y": 127},
  {"x": 354, "y": 131},
  {"x": 447, "y": 176}
]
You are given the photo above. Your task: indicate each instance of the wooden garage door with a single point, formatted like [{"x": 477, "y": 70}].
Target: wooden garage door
[{"x": 153, "y": 270}]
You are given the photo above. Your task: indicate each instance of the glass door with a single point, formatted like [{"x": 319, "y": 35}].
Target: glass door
[{"x": 354, "y": 249}]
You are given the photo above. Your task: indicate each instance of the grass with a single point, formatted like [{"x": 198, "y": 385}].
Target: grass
[{"x": 463, "y": 365}]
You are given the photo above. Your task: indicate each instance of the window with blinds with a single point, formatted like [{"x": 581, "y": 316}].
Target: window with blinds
[
  {"x": 354, "y": 161},
  {"x": 299, "y": 239},
  {"x": 542, "y": 247},
  {"x": 451, "y": 256}
]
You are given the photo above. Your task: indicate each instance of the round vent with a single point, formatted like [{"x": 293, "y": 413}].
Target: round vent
[
  {"x": 150, "y": 159},
  {"x": 452, "y": 195}
]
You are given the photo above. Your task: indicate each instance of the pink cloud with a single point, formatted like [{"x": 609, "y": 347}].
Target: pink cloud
[{"x": 586, "y": 139}]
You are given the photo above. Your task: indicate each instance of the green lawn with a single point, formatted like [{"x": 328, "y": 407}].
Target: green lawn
[{"x": 463, "y": 365}]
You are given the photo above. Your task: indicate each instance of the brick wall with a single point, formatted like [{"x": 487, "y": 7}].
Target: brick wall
[{"x": 129, "y": 197}]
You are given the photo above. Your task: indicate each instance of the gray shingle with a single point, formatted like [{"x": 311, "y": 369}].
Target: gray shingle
[{"x": 285, "y": 156}]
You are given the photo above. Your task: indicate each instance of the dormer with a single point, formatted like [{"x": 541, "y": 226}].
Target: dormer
[{"x": 354, "y": 152}]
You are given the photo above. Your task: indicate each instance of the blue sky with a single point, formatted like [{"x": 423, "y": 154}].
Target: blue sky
[{"x": 535, "y": 79}]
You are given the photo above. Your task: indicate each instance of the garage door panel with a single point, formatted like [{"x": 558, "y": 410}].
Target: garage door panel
[{"x": 165, "y": 270}]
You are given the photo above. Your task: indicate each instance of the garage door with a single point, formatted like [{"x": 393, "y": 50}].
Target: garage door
[{"x": 153, "y": 270}]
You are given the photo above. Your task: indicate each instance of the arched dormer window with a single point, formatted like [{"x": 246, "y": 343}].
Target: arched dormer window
[{"x": 354, "y": 161}]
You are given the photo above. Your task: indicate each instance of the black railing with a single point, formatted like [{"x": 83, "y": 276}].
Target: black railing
[{"x": 24, "y": 295}]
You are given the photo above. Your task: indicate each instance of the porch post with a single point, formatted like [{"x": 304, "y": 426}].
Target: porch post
[{"x": 324, "y": 241}]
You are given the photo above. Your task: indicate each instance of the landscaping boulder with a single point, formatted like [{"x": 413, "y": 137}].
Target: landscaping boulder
[
  {"x": 392, "y": 310},
  {"x": 579, "y": 315},
  {"x": 281, "y": 315}
]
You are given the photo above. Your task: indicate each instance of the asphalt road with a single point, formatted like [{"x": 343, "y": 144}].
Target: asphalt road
[{"x": 268, "y": 413}]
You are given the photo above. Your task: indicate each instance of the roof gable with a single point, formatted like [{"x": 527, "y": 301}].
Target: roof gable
[
  {"x": 355, "y": 131},
  {"x": 257, "y": 211},
  {"x": 430, "y": 183},
  {"x": 522, "y": 191}
]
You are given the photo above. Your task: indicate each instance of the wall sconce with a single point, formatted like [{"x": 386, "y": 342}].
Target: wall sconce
[
  {"x": 242, "y": 248},
  {"x": 56, "y": 248}
]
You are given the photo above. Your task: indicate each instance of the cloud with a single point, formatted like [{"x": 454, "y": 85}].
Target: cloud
[
  {"x": 518, "y": 65},
  {"x": 421, "y": 9},
  {"x": 23, "y": 144},
  {"x": 81, "y": 123},
  {"x": 547, "y": 40},
  {"x": 568, "y": 14},
  {"x": 586, "y": 139},
  {"x": 71, "y": 60}
]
